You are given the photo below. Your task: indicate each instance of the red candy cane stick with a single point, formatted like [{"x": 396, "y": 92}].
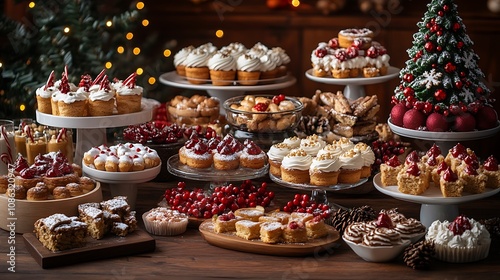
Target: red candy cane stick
[
  {"x": 98, "y": 78},
  {"x": 6, "y": 157}
]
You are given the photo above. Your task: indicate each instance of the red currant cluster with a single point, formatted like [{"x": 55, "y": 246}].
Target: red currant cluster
[
  {"x": 384, "y": 150},
  {"x": 302, "y": 203},
  {"x": 223, "y": 199}
]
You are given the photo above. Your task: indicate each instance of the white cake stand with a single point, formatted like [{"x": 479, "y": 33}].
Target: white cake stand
[
  {"x": 91, "y": 131},
  {"x": 445, "y": 140},
  {"x": 123, "y": 183},
  {"x": 225, "y": 92},
  {"x": 354, "y": 86},
  {"x": 433, "y": 205}
]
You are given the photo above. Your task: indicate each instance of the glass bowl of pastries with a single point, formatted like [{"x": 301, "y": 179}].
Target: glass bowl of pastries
[{"x": 263, "y": 113}]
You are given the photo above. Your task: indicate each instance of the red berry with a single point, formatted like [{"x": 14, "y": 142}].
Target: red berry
[{"x": 383, "y": 220}]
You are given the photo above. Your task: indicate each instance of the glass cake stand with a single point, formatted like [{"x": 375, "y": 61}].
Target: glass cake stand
[
  {"x": 433, "y": 205},
  {"x": 214, "y": 176},
  {"x": 319, "y": 193},
  {"x": 354, "y": 86},
  {"x": 225, "y": 92}
]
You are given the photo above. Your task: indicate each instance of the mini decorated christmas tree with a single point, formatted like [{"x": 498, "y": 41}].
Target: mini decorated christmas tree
[{"x": 442, "y": 86}]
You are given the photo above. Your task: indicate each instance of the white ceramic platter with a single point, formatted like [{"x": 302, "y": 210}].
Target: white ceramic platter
[
  {"x": 122, "y": 177},
  {"x": 391, "y": 73}
]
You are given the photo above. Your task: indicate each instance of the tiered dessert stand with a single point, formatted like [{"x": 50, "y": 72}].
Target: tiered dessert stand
[
  {"x": 91, "y": 132},
  {"x": 354, "y": 86},
  {"x": 225, "y": 92},
  {"x": 212, "y": 175},
  {"x": 433, "y": 205}
]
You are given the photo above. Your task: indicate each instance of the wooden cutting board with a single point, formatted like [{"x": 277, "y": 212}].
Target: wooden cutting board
[{"x": 110, "y": 246}]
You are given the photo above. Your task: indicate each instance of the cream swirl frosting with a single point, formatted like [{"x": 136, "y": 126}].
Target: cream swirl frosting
[
  {"x": 344, "y": 143},
  {"x": 180, "y": 56},
  {"x": 293, "y": 142},
  {"x": 278, "y": 151},
  {"x": 355, "y": 232},
  {"x": 248, "y": 63},
  {"x": 331, "y": 149},
  {"x": 366, "y": 153},
  {"x": 409, "y": 227},
  {"x": 351, "y": 160},
  {"x": 381, "y": 237},
  {"x": 72, "y": 97},
  {"x": 207, "y": 47},
  {"x": 325, "y": 163},
  {"x": 46, "y": 92},
  {"x": 441, "y": 234},
  {"x": 284, "y": 57},
  {"x": 102, "y": 94},
  {"x": 222, "y": 62},
  {"x": 268, "y": 62},
  {"x": 297, "y": 159},
  {"x": 197, "y": 58},
  {"x": 379, "y": 61}
]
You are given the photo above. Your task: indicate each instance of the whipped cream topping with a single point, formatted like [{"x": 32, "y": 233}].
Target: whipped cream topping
[
  {"x": 180, "y": 56},
  {"x": 310, "y": 147},
  {"x": 102, "y": 94},
  {"x": 355, "y": 232},
  {"x": 382, "y": 237},
  {"x": 125, "y": 90},
  {"x": 331, "y": 149},
  {"x": 297, "y": 159},
  {"x": 207, "y": 47},
  {"x": 379, "y": 61},
  {"x": 325, "y": 163},
  {"x": 197, "y": 58},
  {"x": 268, "y": 62},
  {"x": 321, "y": 63},
  {"x": 278, "y": 151},
  {"x": 72, "y": 97},
  {"x": 440, "y": 234},
  {"x": 248, "y": 63},
  {"x": 351, "y": 160},
  {"x": 366, "y": 153},
  {"x": 409, "y": 227},
  {"x": 46, "y": 93},
  {"x": 284, "y": 57},
  {"x": 222, "y": 61},
  {"x": 293, "y": 142}
]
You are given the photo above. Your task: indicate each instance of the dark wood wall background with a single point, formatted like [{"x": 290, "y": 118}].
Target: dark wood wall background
[{"x": 298, "y": 31}]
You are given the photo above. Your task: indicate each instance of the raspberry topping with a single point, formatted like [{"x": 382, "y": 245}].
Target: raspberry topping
[
  {"x": 434, "y": 151},
  {"x": 333, "y": 43},
  {"x": 449, "y": 175},
  {"x": 460, "y": 225},
  {"x": 372, "y": 52},
  {"x": 321, "y": 52},
  {"x": 260, "y": 107},
  {"x": 341, "y": 55},
  {"x": 413, "y": 169},
  {"x": 441, "y": 167},
  {"x": 278, "y": 98},
  {"x": 491, "y": 164},
  {"x": 412, "y": 157},
  {"x": 458, "y": 150},
  {"x": 393, "y": 161},
  {"x": 251, "y": 148},
  {"x": 470, "y": 170},
  {"x": 431, "y": 161},
  {"x": 383, "y": 220}
]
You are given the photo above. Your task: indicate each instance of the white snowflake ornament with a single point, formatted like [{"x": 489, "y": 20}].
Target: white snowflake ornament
[{"x": 431, "y": 78}]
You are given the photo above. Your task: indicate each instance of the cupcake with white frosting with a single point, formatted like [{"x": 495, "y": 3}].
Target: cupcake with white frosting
[
  {"x": 295, "y": 167},
  {"x": 248, "y": 69},
  {"x": 352, "y": 162},
  {"x": 222, "y": 67},
  {"x": 180, "y": 58},
  {"x": 197, "y": 66}
]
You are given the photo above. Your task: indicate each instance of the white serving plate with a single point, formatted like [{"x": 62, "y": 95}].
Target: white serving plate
[
  {"x": 391, "y": 73},
  {"x": 122, "y": 177}
]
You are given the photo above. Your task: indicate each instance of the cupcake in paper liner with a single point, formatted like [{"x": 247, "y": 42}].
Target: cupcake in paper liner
[
  {"x": 165, "y": 222},
  {"x": 463, "y": 240}
]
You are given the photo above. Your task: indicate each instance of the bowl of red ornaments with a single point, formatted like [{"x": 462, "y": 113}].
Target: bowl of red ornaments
[{"x": 263, "y": 113}]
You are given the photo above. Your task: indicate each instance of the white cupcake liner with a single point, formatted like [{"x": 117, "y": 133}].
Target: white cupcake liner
[
  {"x": 164, "y": 228},
  {"x": 462, "y": 254}
]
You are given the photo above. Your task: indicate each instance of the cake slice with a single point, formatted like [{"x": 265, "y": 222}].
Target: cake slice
[
  {"x": 270, "y": 232},
  {"x": 247, "y": 229},
  {"x": 450, "y": 184},
  {"x": 59, "y": 232},
  {"x": 413, "y": 179},
  {"x": 225, "y": 222},
  {"x": 94, "y": 218},
  {"x": 295, "y": 232},
  {"x": 316, "y": 227}
]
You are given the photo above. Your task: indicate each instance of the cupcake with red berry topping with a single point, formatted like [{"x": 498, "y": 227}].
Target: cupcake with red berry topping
[
  {"x": 199, "y": 156},
  {"x": 225, "y": 158},
  {"x": 128, "y": 95},
  {"x": 252, "y": 156},
  {"x": 491, "y": 169},
  {"x": 71, "y": 103},
  {"x": 460, "y": 241},
  {"x": 44, "y": 93},
  {"x": 102, "y": 101}
]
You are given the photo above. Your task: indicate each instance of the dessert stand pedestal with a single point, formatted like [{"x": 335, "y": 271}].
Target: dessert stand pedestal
[
  {"x": 319, "y": 193},
  {"x": 212, "y": 175},
  {"x": 123, "y": 183},
  {"x": 433, "y": 205},
  {"x": 354, "y": 86},
  {"x": 225, "y": 92}
]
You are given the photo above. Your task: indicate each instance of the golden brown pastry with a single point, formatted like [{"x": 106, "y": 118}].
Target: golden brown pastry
[
  {"x": 18, "y": 190},
  {"x": 4, "y": 183},
  {"x": 74, "y": 189},
  {"x": 87, "y": 184},
  {"x": 61, "y": 192},
  {"x": 38, "y": 192}
]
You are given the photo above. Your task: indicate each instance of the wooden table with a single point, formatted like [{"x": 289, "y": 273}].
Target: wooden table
[{"x": 189, "y": 256}]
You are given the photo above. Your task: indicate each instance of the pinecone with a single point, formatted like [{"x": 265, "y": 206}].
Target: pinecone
[
  {"x": 310, "y": 125},
  {"x": 343, "y": 218},
  {"x": 418, "y": 255},
  {"x": 493, "y": 227}
]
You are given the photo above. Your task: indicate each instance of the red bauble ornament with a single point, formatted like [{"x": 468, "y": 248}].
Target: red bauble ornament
[
  {"x": 479, "y": 90},
  {"x": 456, "y": 26},
  {"x": 446, "y": 113},
  {"x": 439, "y": 33},
  {"x": 440, "y": 13},
  {"x": 408, "y": 92},
  {"x": 462, "y": 74},
  {"x": 460, "y": 44},
  {"x": 437, "y": 108},
  {"x": 446, "y": 8},
  {"x": 433, "y": 65},
  {"x": 458, "y": 84},
  {"x": 449, "y": 67},
  {"x": 428, "y": 108},
  {"x": 440, "y": 94},
  {"x": 408, "y": 77},
  {"x": 429, "y": 47},
  {"x": 439, "y": 48}
]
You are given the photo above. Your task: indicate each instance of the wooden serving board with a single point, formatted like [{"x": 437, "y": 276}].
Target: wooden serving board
[
  {"x": 233, "y": 242},
  {"x": 110, "y": 246}
]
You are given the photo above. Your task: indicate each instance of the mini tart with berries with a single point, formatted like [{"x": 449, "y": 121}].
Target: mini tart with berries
[
  {"x": 491, "y": 169},
  {"x": 252, "y": 156},
  {"x": 456, "y": 154},
  {"x": 225, "y": 158},
  {"x": 199, "y": 156},
  {"x": 413, "y": 179}
]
